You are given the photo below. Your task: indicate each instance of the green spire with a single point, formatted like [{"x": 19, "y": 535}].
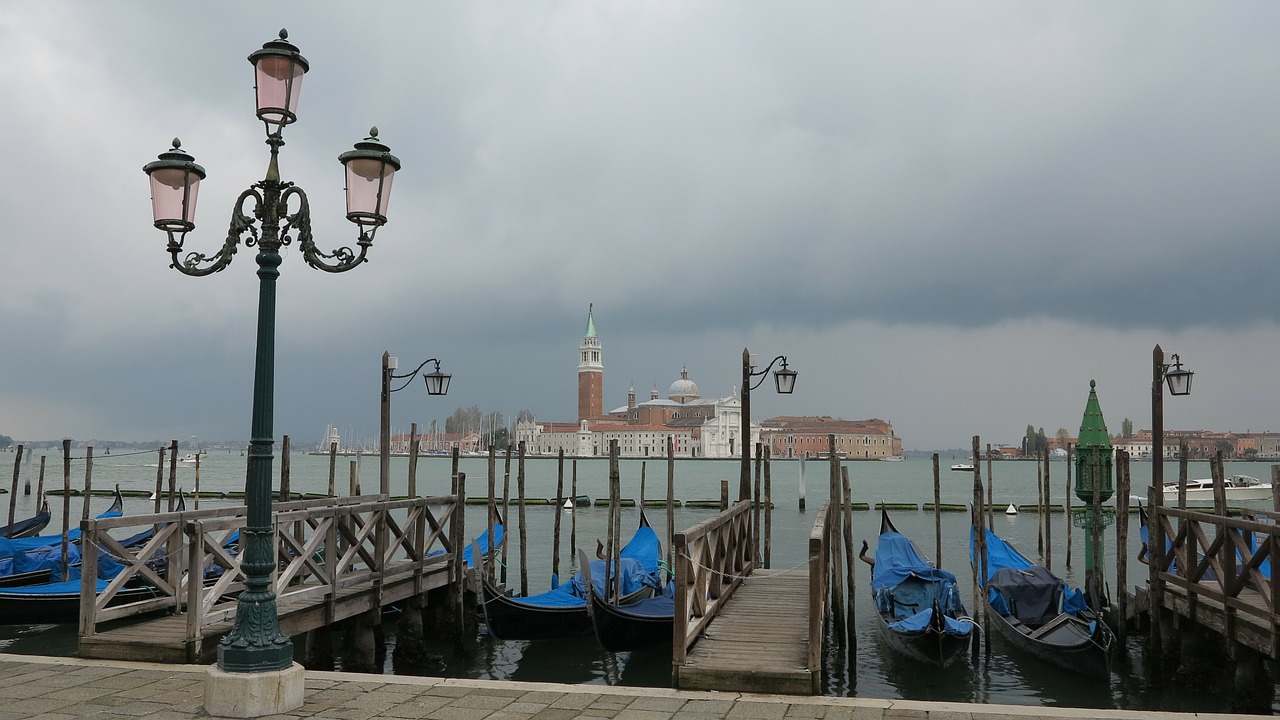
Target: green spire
[
  {"x": 591, "y": 321},
  {"x": 1093, "y": 429}
]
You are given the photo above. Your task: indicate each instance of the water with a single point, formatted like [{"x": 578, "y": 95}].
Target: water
[{"x": 866, "y": 670}]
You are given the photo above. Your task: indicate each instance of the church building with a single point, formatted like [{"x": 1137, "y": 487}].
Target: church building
[{"x": 696, "y": 427}]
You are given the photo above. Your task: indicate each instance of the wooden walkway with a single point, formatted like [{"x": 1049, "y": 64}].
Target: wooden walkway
[
  {"x": 338, "y": 558},
  {"x": 738, "y": 628},
  {"x": 759, "y": 641}
]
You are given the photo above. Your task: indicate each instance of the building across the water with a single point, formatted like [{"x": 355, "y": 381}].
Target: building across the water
[{"x": 696, "y": 426}]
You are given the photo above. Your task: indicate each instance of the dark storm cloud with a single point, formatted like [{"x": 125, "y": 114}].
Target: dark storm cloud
[{"x": 845, "y": 182}]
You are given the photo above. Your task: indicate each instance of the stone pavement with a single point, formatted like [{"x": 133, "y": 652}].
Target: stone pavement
[{"x": 52, "y": 688}]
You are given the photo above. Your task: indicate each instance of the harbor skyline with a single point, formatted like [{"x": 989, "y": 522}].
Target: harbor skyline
[{"x": 952, "y": 222}]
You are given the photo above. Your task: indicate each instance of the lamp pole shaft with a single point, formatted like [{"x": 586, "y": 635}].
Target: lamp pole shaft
[
  {"x": 384, "y": 444},
  {"x": 255, "y": 643},
  {"x": 1157, "y": 419},
  {"x": 744, "y": 478}
]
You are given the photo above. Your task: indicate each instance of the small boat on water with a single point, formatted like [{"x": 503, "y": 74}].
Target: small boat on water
[
  {"x": 918, "y": 606},
  {"x": 73, "y": 535},
  {"x": 962, "y": 467},
  {"x": 31, "y": 526},
  {"x": 643, "y": 623},
  {"x": 1240, "y": 488},
  {"x": 562, "y": 610},
  {"x": 1036, "y": 611}
]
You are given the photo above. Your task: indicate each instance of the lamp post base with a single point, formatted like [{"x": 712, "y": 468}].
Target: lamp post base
[{"x": 251, "y": 695}]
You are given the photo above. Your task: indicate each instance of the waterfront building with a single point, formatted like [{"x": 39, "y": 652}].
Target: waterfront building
[{"x": 698, "y": 427}]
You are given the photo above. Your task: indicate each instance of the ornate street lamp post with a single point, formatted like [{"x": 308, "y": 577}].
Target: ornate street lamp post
[
  {"x": 437, "y": 384},
  {"x": 1179, "y": 382},
  {"x": 784, "y": 380},
  {"x": 280, "y": 216}
]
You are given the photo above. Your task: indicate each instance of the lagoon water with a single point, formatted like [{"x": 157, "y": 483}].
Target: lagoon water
[{"x": 863, "y": 668}]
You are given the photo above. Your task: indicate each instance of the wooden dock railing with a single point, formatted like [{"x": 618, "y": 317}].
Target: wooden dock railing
[
  {"x": 711, "y": 559},
  {"x": 323, "y": 547},
  {"x": 819, "y": 580},
  {"x": 1216, "y": 564}
]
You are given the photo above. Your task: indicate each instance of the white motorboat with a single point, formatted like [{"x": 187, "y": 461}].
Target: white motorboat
[
  {"x": 962, "y": 467},
  {"x": 1240, "y": 488}
]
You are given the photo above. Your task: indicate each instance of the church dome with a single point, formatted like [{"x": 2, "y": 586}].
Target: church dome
[{"x": 683, "y": 389}]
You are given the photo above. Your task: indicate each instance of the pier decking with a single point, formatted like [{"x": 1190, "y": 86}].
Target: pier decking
[
  {"x": 759, "y": 641},
  {"x": 338, "y": 558}
]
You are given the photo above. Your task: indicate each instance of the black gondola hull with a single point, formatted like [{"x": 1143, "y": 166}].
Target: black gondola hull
[
  {"x": 618, "y": 630},
  {"x": 57, "y": 607},
  {"x": 508, "y": 619},
  {"x": 1089, "y": 656},
  {"x": 927, "y": 646}
]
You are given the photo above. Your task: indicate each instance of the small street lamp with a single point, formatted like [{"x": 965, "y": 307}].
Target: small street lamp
[
  {"x": 1179, "y": 381},
  {"x": 278, "y": 216},
  {"x": 437, "y": 384},
  {"x": 784, "y": 380}
]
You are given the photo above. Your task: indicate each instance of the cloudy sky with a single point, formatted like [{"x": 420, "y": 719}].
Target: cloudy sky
[{"x": 949, "y": 215}]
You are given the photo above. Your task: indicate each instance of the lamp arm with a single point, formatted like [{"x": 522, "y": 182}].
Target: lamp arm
[
  {"x": 241, "y": 225},
  {"x": 763, "y": 373},
  {"x": 413, "y": 374},
  {"x": 343, "y": 258}
]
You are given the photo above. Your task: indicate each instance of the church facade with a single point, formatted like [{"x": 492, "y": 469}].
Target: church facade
[{"x": 695, "y": 427}]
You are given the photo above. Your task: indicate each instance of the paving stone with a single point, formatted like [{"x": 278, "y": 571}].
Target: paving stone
[
  {"x": 757, "y": 710},
  {"x": 575, "y": 701},
  {"x": 633, "y": 714},
  {"x": 719, "y": 708},
  {"x": 658, "y": 703},
  {"x": 478, "y": 700}
]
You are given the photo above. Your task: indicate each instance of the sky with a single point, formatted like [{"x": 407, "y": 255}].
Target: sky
[{"x": 952, "y": 216}]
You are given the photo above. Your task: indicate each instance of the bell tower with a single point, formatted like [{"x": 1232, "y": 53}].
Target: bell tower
[{"x": 590, "y": 372}]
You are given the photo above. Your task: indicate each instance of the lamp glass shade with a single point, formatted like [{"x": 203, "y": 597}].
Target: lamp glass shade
[
  {"x": 785, "y": 380},
  {"x": 173, "y": 198},
  {"x": 437, "y": 382},
  {"x": 368, "y": 190},
  {"x": 1179, "y": 381},
  {"x": 278, "y": 79}
]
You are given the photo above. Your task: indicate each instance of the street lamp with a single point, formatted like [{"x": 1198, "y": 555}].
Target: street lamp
[
  {"x": 437, "y": 384},
  {"x": 1179, "y": 381},
  {"x": 255, "y": 644},
  {"x": 784, "y": 380}
]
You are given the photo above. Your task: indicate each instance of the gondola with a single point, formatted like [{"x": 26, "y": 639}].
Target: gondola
[
  {"x": 57, "y": 602},
  {"x": 562, "y": 610},
  {"x": 28, "y": 527},
  {"x": 73, "y": 535},
  {"x": 918, "y": 607},
  {"x": 642, "y": 623},
  {"x": 1035, "y": 610}
]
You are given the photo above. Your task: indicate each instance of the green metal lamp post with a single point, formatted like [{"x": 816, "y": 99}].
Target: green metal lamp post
[
  {"x": 437, "y": 384},
  {"x": 784, "y": 380},
  {"x": 1094, "y": 485},
  {"x": 255, "y": 643}
]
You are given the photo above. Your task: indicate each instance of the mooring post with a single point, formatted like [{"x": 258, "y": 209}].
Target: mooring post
[
  {"x": 1067, "y": 505},
  {"x": 413, "y": 462},
  {"x": 724, "y": 495},
  {"x": 980, "y": 546},
  {"x": 66, "y": 504},
  {"x": 173, "y": 473},
  {"x": 573, "y": 516},
  {"x": 1039, "y": 505},
  {"x": 492, "y": 510},
  {"x": 333, "y": 465},
  {"x": 1048, "y": 513},
  {"x": 524, "y": 557},
  {"x": 837, "y": 549},
  {"x": 1122, "y": 544},
  {"x": 284, "y": 468},
  {"x": 459, "y": 566},
  {"x": 88, "y": 482},
  {"x": 555, "y": 543},
  {"x": 40, "y": 487},
  {"x": 937, "y": 513},
  {"x": 755, "y": 509},
  {"x": 990, "y": 511},
  {"x": 506, "y": 513},
  {"x": 671, "y": 504},
  {"x": 767, "y": 459},
  {"x": 13, "y": 494},
  {"x": 159, "y": 493},
  {"x": 800, "y": 480},
  {"x": 851, "y": 572}
]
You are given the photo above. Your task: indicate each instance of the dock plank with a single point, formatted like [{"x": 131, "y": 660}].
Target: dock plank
[{"x": 758, "y": 642}]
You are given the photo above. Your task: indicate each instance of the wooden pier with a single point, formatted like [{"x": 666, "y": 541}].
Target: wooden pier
[
  {"x": 742, "y": 629},
  {"x": 337, "y": 558}
]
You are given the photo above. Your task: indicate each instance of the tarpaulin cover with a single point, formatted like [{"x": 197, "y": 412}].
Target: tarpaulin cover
[
  {"x": 1033, "y": 581},
  {"x": 905, "y": 587}
]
